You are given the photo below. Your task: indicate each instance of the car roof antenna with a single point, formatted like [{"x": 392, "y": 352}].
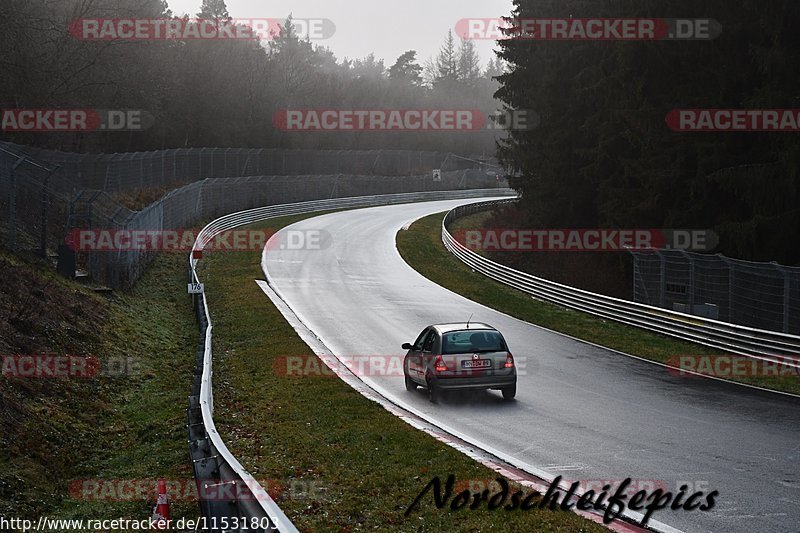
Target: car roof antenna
[{"x": 470, "y": 318}]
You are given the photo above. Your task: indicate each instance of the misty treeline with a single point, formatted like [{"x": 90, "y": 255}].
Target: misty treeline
[
  {"x": 224, "y": 93},
  {"x": 603, "y": 154}
]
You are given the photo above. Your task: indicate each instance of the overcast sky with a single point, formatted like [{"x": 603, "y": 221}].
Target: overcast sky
[{"x": 363, "y": 26}]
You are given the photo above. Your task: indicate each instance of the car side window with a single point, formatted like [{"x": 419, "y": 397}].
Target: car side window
[
  {"x": 428, "y": 345},
  {"x": 421, "y": 339}
]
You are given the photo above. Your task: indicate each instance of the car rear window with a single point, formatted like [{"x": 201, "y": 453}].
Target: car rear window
[{"x": 472, "y": 341}]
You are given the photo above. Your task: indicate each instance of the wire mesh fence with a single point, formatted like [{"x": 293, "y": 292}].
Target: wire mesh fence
[
  {"x": 47, "y": 212},
  {"x": 34, "y": 203},
  {"x": 138, "y": 170},
  {"x": 211, "y": 198},
  {"x": 759, "y": 295}
]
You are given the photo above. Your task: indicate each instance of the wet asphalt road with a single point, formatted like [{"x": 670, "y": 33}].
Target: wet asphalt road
[{"x": 581, "y": 411}]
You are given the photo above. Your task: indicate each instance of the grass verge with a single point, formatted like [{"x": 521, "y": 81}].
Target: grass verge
[
  {"x": 342, "y": 462},
  {"x": 144, "y": 436},
  {"x": 421, "y": 247},
  {"x": 86, "y": 447}
]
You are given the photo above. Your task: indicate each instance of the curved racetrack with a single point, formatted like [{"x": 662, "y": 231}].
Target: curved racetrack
[{"x": 582, "y": 411}]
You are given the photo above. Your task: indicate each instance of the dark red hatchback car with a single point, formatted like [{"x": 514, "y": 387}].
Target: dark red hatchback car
[{"x": 460, "y": 356}]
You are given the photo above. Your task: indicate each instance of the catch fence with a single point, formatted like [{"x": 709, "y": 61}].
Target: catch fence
[
  {"x": 41, "y": 207},
  {"x": 759, "y": 295},
  {"x": 165, "y": 168}
]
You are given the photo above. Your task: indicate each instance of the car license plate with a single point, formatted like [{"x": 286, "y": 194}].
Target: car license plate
[{"x": 477, "y": 363}]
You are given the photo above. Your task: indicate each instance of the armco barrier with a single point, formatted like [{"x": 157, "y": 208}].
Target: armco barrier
[
  {"x": 731, "y": 338},
  {"x": 213, "y": 463}
]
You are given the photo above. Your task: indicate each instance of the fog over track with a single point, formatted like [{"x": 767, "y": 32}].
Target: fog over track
[{"x": 582, "y": 411}]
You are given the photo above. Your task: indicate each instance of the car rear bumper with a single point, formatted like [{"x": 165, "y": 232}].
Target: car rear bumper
[{"x": 484, "y": 382}]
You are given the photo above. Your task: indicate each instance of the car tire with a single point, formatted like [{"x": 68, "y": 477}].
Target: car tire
[
  {"x": 509, "y": 392},
  {"x": 410, "y": 385},
  {"x": 433, "y": 392}
]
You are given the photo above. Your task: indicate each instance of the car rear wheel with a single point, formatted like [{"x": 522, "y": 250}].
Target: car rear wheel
[
  {"x": 509, "y": 392},
  {"x": 410, "y": 385}
]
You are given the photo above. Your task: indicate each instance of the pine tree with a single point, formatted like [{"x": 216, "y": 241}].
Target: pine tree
[
  {"x": 214, "y": 10},
  {"x": 447, "y": 61},
  {"x": 494, "y": 68},
  {"x": 406, "y": 69}
]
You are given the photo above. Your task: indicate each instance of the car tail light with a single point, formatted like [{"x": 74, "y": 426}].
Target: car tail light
[
  {"x": 439, "y": 365},
  {"x": 509, "y": 361}
]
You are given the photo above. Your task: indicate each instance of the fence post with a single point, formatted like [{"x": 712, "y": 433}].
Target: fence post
[
  {"x": 690, "y": 260},
  {"x": 731, "y": 282},
  {"x": 12, "y": 202},
  {"x": 45, "y": 203},
  {"x": 786, "y": 288},
  {"x": 662, "y": 280},
  {"x": 199, "y": 206}
]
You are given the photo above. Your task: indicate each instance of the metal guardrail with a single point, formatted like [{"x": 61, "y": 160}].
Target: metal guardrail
[
  {"x": 731, "y": 338},
  {"x": 214, "y": 465}
]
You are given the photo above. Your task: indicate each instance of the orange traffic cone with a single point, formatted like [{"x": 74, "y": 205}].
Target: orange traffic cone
[{"x": 161, "y": 511}]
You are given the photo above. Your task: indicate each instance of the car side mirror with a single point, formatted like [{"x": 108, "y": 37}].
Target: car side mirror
[{"x": 407, "y": 346}]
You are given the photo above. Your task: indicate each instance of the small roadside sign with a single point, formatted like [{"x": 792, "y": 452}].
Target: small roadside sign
[{"x": 196, "y": 288}]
